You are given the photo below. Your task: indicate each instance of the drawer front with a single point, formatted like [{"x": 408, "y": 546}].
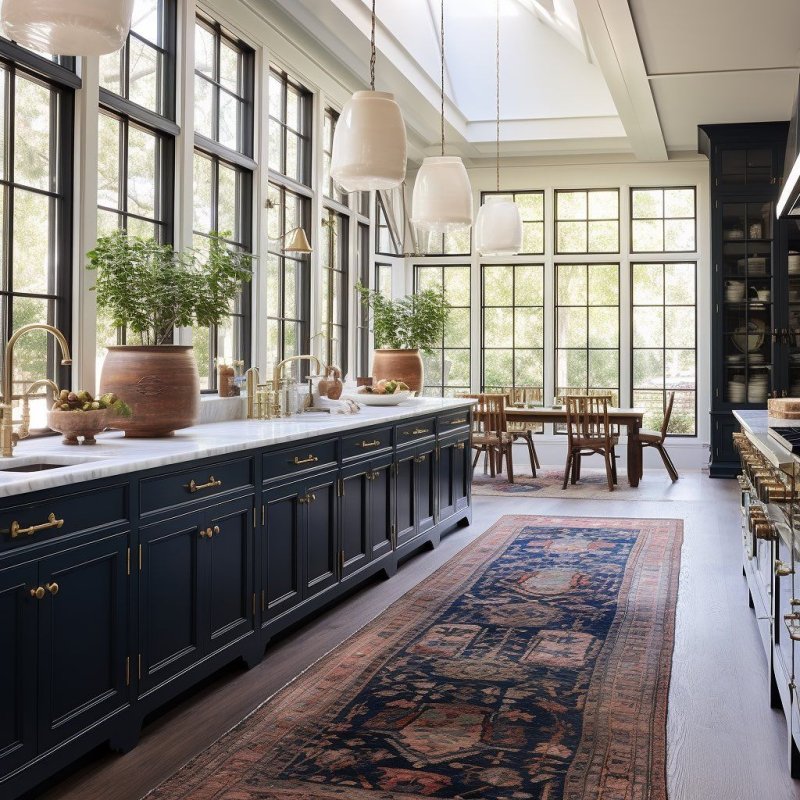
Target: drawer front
[
  {"x": 456, "y": 420},
  {"x": 297, "y": 460},
  {"x": 192, "y": 485},
  {"x": 411, "y": 432},
  {"x": 62, "y": 515},
  {"x": 365, "y": 444}
]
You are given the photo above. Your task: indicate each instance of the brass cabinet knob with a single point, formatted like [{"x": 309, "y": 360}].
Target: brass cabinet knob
[
  {"x": 52, "y": 587},
  {"x": 38, "y": 592},
  {"x": 207, "y": 533},
  {"x": 215, "y": 529}
]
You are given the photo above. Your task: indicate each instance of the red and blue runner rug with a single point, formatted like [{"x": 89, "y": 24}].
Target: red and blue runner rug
[{"x": 534, "y": 665}]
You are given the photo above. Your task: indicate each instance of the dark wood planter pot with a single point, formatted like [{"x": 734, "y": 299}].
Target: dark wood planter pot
[
  {"x": 160, "y": 384},
  {"x": 403, "y": 365}
]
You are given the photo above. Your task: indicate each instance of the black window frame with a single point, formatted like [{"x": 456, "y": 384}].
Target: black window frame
[
  {"x": 663, "y": 218},
  {"x": 305, "y": 135},
  {"x": 336, "y": 219},
  {"x": 587, "y": 220},
  {"x": 382, "y": 224}
]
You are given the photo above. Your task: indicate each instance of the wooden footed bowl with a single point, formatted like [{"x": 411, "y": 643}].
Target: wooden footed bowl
[{"x": 76, "y": 425}]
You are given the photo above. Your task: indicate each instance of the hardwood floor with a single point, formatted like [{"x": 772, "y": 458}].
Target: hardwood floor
[{"x": 724, "y": 741}]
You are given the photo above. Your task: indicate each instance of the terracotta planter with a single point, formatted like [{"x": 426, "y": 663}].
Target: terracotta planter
[
  {"x": 160, "y": 384},
  {"x": 401, "y": 365}
]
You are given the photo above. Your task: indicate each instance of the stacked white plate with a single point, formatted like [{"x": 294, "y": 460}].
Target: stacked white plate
[
  {"x": 736, "y": 389},
  {"x": 757, "y": 388},
  {"x": 794, "y": 262}
]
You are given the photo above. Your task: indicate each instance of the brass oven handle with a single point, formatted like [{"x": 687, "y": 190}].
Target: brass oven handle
[
  {"x": 373, "y": 443},
  {"x": 310, "y": 459},
  {"x": 38, "y": 592},
  {"x": 17, "y": 530},
  {"x": 193, "y": 486},
  {"x": 52, "y": 587}
]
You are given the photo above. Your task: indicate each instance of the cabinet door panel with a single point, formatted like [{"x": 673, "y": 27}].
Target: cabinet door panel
[
  {"x": 169, "y": 598},
  {"x": 425, "y": 480},
  {"x": 230, "y": 571},
  {"x": 280, "y": 550},
  {"x": 380, "y": 510},
  {"x": 18, "y": 645},
  {"x": 462, "y": 474},
  {"x": 322, "y": 535},
  {"x": 446, "y": 500},
  {"x": 355, "y": 519},
  {"x": 405, "y": 498},
  {"x": 83, "y": 630}
]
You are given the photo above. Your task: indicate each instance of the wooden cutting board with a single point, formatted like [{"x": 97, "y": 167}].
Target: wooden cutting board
[{"x": 785, "y": 407}]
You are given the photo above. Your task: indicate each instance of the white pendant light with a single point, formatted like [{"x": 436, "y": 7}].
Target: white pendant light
[
  {"x": 369, "y": 141},
  {"x": 498, "y": 229},
  {"x": 68, "y": 27},
  {"x": 442, "y": 197}
]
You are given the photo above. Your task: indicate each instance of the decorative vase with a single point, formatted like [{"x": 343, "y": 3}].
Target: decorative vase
[
  {"x": 399, "y": 365},
  {"x": 160, "y": 384}
]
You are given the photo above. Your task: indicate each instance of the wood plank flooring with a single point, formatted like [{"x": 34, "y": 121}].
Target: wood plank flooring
[{"x": 724, "y": 741}]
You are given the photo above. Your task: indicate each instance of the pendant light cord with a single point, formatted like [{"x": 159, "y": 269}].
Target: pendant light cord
[
  {"x": 441, "y": 29},
  {"x": 372, "y": 51},
  {"x": 497, "y": 90}
]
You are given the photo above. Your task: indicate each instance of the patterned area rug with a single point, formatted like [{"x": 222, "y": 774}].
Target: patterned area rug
[
  {"x": 533, "y": 665},
  {"x": 547, "y": 483}
]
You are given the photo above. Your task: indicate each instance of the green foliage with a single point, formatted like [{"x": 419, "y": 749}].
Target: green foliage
[
  {"x": 415, "y": 321},
  {"x": 150, "y": 289}
]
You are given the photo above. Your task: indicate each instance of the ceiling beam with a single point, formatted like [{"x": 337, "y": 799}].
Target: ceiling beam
[{"x": 609, "y": 27}]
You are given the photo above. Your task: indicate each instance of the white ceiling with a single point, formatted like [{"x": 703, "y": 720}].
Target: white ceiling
[{"x": 577, "y": 76}]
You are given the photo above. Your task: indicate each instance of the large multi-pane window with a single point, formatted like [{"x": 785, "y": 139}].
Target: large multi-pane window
[
  {"x": 663, "y": 220},
  {"x": 531, "y": 208},
  {"x": 587, "y": 329},
  {"x": 587, "y": 221},
  {"x": 334, "y": 248},
  {"x": 35, "y": 188},
  {"x": 512, "y": 326},
  {"x": 387, "y": 241},
  {"x": 136, "y": 138},
  {"x": 288, "y": 207},
  {"x": 288, "y": 291},
  {"x": 329, "y": 188},
  {"x": 363, "y": 329},
  {"x": 223, "y": 179},
  {"x": 451, "y": 243},
  {"x": 447, "y": 368},
  {"x": 383, "y": 279},
  {"x": 663, "y": 338},
  {"x": 143, "y": 71}
]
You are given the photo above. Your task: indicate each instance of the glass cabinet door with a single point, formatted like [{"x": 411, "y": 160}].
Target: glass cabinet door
[
  {"x": 747, "y": 298},
  {"x": 746, "y": 166},
  {"x": 792, "y": 337}
]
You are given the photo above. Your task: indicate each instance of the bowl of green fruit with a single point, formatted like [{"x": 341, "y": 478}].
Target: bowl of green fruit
[{"x": 80, "y": 416}]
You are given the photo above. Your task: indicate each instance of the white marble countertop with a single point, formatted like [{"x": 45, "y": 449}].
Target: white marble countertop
[
  {"x": 114, "y": 454},
  {"x": 757, "y": 425}
]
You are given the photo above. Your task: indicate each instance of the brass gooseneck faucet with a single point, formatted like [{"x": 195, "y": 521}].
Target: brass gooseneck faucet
[{"x": 8, "y": 438}]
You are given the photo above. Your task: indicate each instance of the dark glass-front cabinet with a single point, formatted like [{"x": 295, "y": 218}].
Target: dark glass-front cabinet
[{"x": 751, "y": 311}]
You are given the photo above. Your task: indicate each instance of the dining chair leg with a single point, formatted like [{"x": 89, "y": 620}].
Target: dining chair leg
[
  {"x": 567, "y": 469},
  {"x": 531, "y": 453},
  {"x": 578, "y": 465},
  {"x": 576, "y": 461},
  {"x": 477, "y": 456},
  {"x": 614, "y": 465},
  {"x": 641, "y": 461},
  {"x": 673, "y": 473},
  {"x": 609, "y": 470},
  {"x": 535, "y": 454},
  {"x": 492, "y": 456},
  {"x": 510, "y": 462}
]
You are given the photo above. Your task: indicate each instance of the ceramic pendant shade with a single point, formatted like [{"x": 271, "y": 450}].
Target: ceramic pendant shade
[
  {"x": 498, "y": 228},
  {"x": 369, "y": 144},
  {"x": 442, "y": 198},
  {"x": 67, "y": 27}
]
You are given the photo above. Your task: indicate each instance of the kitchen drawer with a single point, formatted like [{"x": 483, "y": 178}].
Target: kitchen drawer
[
  {"x": 297, "y": 460},
  {"x": 447, "y": 423},
  {"x": 365, "y": 444},
  {"x": 411, "y": 432},
  {"x": 192, "y": 485},
  {"x": 64, "y": 514}
]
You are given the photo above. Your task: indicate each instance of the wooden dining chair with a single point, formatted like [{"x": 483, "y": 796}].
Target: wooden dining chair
[
  {"x": 490, "y": 434},
  {"x": 589, "y": 432},
  {"x": 656, "y": 439},
  {"x": 523, "y": 431}
]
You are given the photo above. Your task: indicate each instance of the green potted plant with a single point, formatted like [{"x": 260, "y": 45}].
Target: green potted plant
[
  {"x": 404, "y": 329},
  {"x": 149, "y": 289}
]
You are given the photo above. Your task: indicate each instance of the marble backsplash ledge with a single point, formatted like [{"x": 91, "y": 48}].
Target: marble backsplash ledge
[{"x": 214, "y": 408}]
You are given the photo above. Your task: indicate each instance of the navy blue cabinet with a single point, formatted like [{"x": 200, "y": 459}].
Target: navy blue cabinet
[{"x": 454, "y": 476}]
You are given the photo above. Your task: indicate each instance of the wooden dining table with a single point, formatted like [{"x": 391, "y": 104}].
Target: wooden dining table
[{"x": 631, "y": 418}]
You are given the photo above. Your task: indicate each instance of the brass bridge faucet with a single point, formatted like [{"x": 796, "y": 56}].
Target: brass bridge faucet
[
  {"x": 8, "y": 437},
  {"x": 263, "y": 400}
]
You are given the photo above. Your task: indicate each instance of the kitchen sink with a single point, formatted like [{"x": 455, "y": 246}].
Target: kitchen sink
[{"x": 32, "y": 464}]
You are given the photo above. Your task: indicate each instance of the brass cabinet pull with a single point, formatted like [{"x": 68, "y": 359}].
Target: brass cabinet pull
[
  {"x": 193, "y": 486},
  {"x": 310, "y": 498},
  {"x": 38, "y": 592},
  {"x": 419, "y": 459},
  {"x": 373, "y": 443},
  {"x": 215, "y": 529},
  {"x": 309, "y": 459},
  {"x": 17, "y": 530},
  {"x": 416, "y": 432},
  {"x": 459, "y": 445},
  {"x": 781, "y": 569},
  {"x": 372, "y": 475},
  {"x": 52, "y": 587},
  {"x": 207, "y": 533},
  {"x": 461, "y": 421}
]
